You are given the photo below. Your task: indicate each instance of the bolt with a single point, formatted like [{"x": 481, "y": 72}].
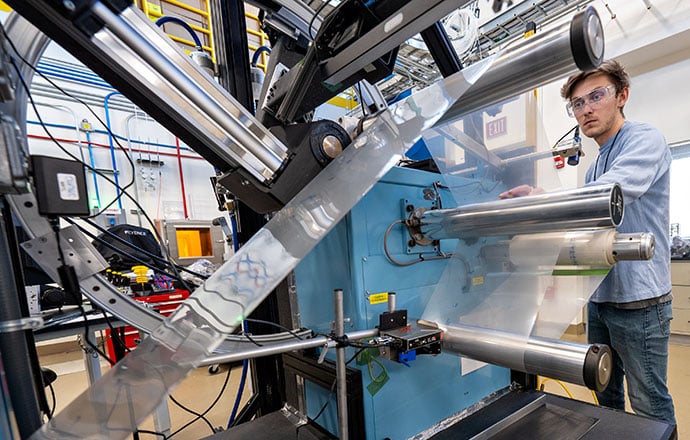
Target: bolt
[{"x": 69, "y": 5}]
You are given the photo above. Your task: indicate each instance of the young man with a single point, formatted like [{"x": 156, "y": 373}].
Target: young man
[{"x": 631, "y": 310}]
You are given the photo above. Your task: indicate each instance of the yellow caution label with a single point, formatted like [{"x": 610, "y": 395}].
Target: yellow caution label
[
  {"x": 4, "y": 7},
  {"x": 476, "y": 281},
  {"x": 378, "y": 298}
]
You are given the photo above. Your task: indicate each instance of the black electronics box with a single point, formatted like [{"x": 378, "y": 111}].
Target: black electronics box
[{"x": 60, "y": 186}]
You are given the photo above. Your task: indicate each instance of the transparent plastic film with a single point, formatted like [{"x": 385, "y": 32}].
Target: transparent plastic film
[
  {"x": 504, "y": 275},
  {"x": 122, "y": 399}
]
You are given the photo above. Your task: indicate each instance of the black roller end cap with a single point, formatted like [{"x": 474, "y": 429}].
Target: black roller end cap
[
  {"x": 597, "y": 367},
  {"x": 587, "y": 39}
]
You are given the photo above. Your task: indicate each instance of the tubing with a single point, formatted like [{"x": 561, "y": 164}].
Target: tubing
[
  {"x": 582, "y": 364},
  {"x": 588, "y": 207},
  {"x": 168, "y": 19},
  {"x": 92, "y": 162},
  {"x": 258, "y": 52},
  {"x": 182, "y": 189},
  {"x": 112, "y": 147}
]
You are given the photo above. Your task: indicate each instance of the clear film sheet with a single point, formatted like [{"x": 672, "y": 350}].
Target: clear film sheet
[
  {"x": 131, "y": 390},
  {"x": 525, "y": 265}
]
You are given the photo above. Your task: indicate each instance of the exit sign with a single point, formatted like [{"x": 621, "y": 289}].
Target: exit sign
[{"x": 497, "y": 127}]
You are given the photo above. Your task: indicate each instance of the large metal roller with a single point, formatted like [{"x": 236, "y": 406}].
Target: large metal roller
[
  {"x": 575, "y": 209},
  {"x": 535, "y": 61},
  {"x": 583, "y": 364},
  {"x": 599, "y": 248}
]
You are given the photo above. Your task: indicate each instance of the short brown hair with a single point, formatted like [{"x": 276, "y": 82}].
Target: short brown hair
[{"x": 611, "y": 68}]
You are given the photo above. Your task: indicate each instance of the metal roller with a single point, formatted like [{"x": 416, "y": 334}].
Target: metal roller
[
  {"x": 575, "y": 209},
  {"x": 600, "y": 248},
  {"x": 535, "y": 61},
  {"x": 582, "y": 364}
]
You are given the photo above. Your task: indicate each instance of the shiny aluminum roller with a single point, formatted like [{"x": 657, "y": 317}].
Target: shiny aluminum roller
[
  {"x": 536, "y": 61},
  {"x": 588, "y": 207},
  {"x": 582, "y": 364}
]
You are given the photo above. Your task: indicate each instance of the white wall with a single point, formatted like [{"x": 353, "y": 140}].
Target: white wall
[{"x": 159, "y": 188}]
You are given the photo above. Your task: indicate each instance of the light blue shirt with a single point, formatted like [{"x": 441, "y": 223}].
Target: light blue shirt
[{"x": 639, "y": 159}]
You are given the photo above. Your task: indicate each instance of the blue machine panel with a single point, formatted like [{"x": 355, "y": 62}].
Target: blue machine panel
[{"x": 352, "y": 257}]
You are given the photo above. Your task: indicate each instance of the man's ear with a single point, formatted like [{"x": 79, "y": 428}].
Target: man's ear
[{"x": 622, "y": 97}]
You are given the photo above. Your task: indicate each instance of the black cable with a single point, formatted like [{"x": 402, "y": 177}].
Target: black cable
[
  {"x": 130, "y": 245},
  {"x": 246, "y": 335},
  {"x": 215, "y": 401},
  {"x": 55, "y": 223},
  {"x": 53, "y": 400},
  {"x": 316, "y": 14},
  {"x": 564, "y": 136},
  {"x": 114, "y": 334},
  {"x": 330, "y": 394},
  {"x": 123, "y": 190},
  {"x": 192, "y": 412},
  {"x": 98, "y": 118},
  {"x": 261, "y": 321},
  {"x": 157, "y": 434},
  {"x": 114, "y": 248}
]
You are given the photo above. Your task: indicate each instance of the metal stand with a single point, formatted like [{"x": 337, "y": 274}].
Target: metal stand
[{"x": 340, "y": 367}]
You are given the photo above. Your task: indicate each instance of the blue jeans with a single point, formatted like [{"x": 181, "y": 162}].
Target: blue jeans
[{"x": 639, "y": 343}]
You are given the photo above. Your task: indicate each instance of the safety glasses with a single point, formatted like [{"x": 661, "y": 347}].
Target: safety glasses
[{"x": 595, "y": 99}]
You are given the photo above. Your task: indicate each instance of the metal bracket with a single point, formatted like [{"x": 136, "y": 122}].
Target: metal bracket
[{"x": 78, "y": 251}]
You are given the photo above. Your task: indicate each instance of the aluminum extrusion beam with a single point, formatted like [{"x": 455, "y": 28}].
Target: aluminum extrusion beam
[
  {"x": 136, "y": 57},
  {"x": 583, "y": 364},
  {"x": 535, "y": 61},
  {"x": 582, "y": 208}
]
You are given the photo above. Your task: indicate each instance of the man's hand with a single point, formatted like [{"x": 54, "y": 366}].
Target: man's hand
[{"x": 519, "y": 191}]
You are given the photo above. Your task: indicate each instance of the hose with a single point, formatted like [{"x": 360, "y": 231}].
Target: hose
[{"x": 168, "y": 19}]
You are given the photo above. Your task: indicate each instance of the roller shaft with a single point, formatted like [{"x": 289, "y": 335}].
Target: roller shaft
[
  {"x": 582, "y": 208},
  {"x": 536, "y": 61},
  {"x": 583, "y": 364}
]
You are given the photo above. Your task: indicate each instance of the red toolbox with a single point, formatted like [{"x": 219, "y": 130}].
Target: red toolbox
[{"x": 163, "y": 303}]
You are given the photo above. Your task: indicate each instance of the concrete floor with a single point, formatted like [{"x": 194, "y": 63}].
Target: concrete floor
[{"x": 201, "y": 388}]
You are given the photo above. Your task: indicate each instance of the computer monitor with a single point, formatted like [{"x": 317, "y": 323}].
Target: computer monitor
[{"x": 190, "y": 240}]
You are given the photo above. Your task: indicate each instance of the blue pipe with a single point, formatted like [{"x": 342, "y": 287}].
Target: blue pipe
[
  {"x": 75, "y": 78},
  {"x": 112, "y": 147},
  {"x": 167, "y": 19},
  {"x": 50, "y": 68},
  {"x": 257, "y": 54},
  {"x": 245, "y": 362},
  {"x": 245, "y": 368},
  {"x": 93, "y": 166}
]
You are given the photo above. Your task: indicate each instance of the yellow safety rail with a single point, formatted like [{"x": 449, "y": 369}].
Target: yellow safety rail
[
  {"x": 155, "y": 11},
  {"x": 263, "y": 39}
]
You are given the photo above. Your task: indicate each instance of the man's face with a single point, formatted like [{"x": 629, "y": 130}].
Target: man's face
[{"x": 596, "y": 106}]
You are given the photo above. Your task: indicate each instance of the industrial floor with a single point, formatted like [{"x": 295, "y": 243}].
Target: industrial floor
[{"x": 200, "y": 389}]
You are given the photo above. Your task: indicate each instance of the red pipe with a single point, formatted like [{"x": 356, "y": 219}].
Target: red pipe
[
  {"x": 179, "y": 163},
  {"x": 138, "y": 150}
]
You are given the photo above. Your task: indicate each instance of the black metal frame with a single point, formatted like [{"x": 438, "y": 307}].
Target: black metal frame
[{"x": 324, "y": 375}]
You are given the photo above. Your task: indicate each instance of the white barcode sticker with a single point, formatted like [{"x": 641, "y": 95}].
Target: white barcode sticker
[{"x": 67, "y": 185}]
